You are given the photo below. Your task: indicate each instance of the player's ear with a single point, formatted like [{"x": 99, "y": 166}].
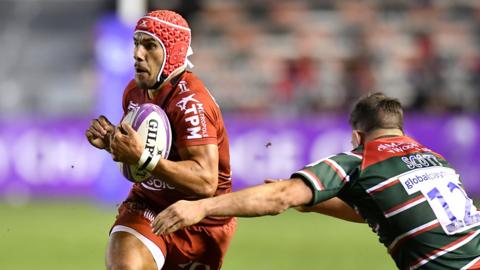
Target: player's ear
[{"x": 357, "y": 138}]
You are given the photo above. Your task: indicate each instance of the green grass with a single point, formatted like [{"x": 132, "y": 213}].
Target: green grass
[
  {"x": 48, "y": 235},
  {"x": 73, "y": 235},
  {"x": 305, "y": 241}
]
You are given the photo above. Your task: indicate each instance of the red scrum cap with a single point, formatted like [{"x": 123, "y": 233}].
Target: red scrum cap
[{"x": 173, "y": 33}]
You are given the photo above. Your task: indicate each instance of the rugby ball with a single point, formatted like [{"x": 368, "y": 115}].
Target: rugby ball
[{"x": 153, "y": 127}]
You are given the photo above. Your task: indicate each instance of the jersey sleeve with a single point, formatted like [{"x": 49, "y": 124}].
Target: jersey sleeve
[
  {"x": 126, "y": 95},
  {"x": 194, "y": 117},
  {"x": 328, "y": 176}
]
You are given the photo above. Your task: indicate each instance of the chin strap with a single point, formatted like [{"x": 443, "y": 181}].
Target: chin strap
[{"x": 158, "y": 83}]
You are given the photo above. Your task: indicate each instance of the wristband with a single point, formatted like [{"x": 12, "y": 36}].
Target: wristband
[
  {"x": 143, "y": 159},
  {"x": 148, "y": 161},
  {"x": 153, "y": 163}
]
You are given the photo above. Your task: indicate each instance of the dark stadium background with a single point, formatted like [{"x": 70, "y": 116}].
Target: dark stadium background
[{"x": 285, "y": 74}]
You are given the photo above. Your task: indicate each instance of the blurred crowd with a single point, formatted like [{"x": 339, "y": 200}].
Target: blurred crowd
[
  {"x": 270, "y": 56},
  {"x": 314, "y": 56}
]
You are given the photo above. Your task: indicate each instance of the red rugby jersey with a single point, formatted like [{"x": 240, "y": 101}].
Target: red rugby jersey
[{"x": 195, "y": 119}]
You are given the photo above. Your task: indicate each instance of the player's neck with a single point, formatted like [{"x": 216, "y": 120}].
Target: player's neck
[
  {"x": 153, "y": 92},
  {"x": 383, "y": 132}
]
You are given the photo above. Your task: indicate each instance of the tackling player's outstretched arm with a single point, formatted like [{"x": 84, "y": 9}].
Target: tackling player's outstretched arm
[
  {"x": 267, "y": 199},
  {"x": 333, "y": 207}
]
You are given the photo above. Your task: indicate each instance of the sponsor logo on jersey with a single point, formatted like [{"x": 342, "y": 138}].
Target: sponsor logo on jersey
[
  {"x": 149, "y": 215},
  {"x": 132, "y": 106},
  {"x": 415, "y": 180},
  {"x": 182, "y": 104},
  {"x": 156, "y": 184},
  {"x": 183, "y": 87},
  {"x": 194, "y": 116},
  {"x": 421, "y": 160},
  {"x": 400, "y": 147}
]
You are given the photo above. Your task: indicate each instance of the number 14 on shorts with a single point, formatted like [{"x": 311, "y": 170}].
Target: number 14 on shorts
[{"x": 454, "y": 209}]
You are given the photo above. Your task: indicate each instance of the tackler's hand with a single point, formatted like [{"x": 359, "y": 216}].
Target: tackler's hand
[{"x": 177, "y": 216}]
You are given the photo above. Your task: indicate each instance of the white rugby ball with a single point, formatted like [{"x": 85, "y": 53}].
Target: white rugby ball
[{"x": 153, "y": 127}]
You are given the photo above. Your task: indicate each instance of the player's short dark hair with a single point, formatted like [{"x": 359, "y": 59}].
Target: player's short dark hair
[{"x": 376, "y": 111}]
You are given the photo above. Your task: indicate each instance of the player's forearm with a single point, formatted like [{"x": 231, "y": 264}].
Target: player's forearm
[
  {"x": 334, "y": 207},
  {"x": 188, "y": 177},
  {"x": 267, "y": 199},
  {"x": 252, "y": 202}
]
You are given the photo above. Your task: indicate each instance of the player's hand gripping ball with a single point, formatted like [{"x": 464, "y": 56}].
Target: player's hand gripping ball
[{"x": 153, "y": 127}]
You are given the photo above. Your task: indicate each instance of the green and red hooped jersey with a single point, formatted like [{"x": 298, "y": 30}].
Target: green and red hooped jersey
[{"x": 409, "y": 195}]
